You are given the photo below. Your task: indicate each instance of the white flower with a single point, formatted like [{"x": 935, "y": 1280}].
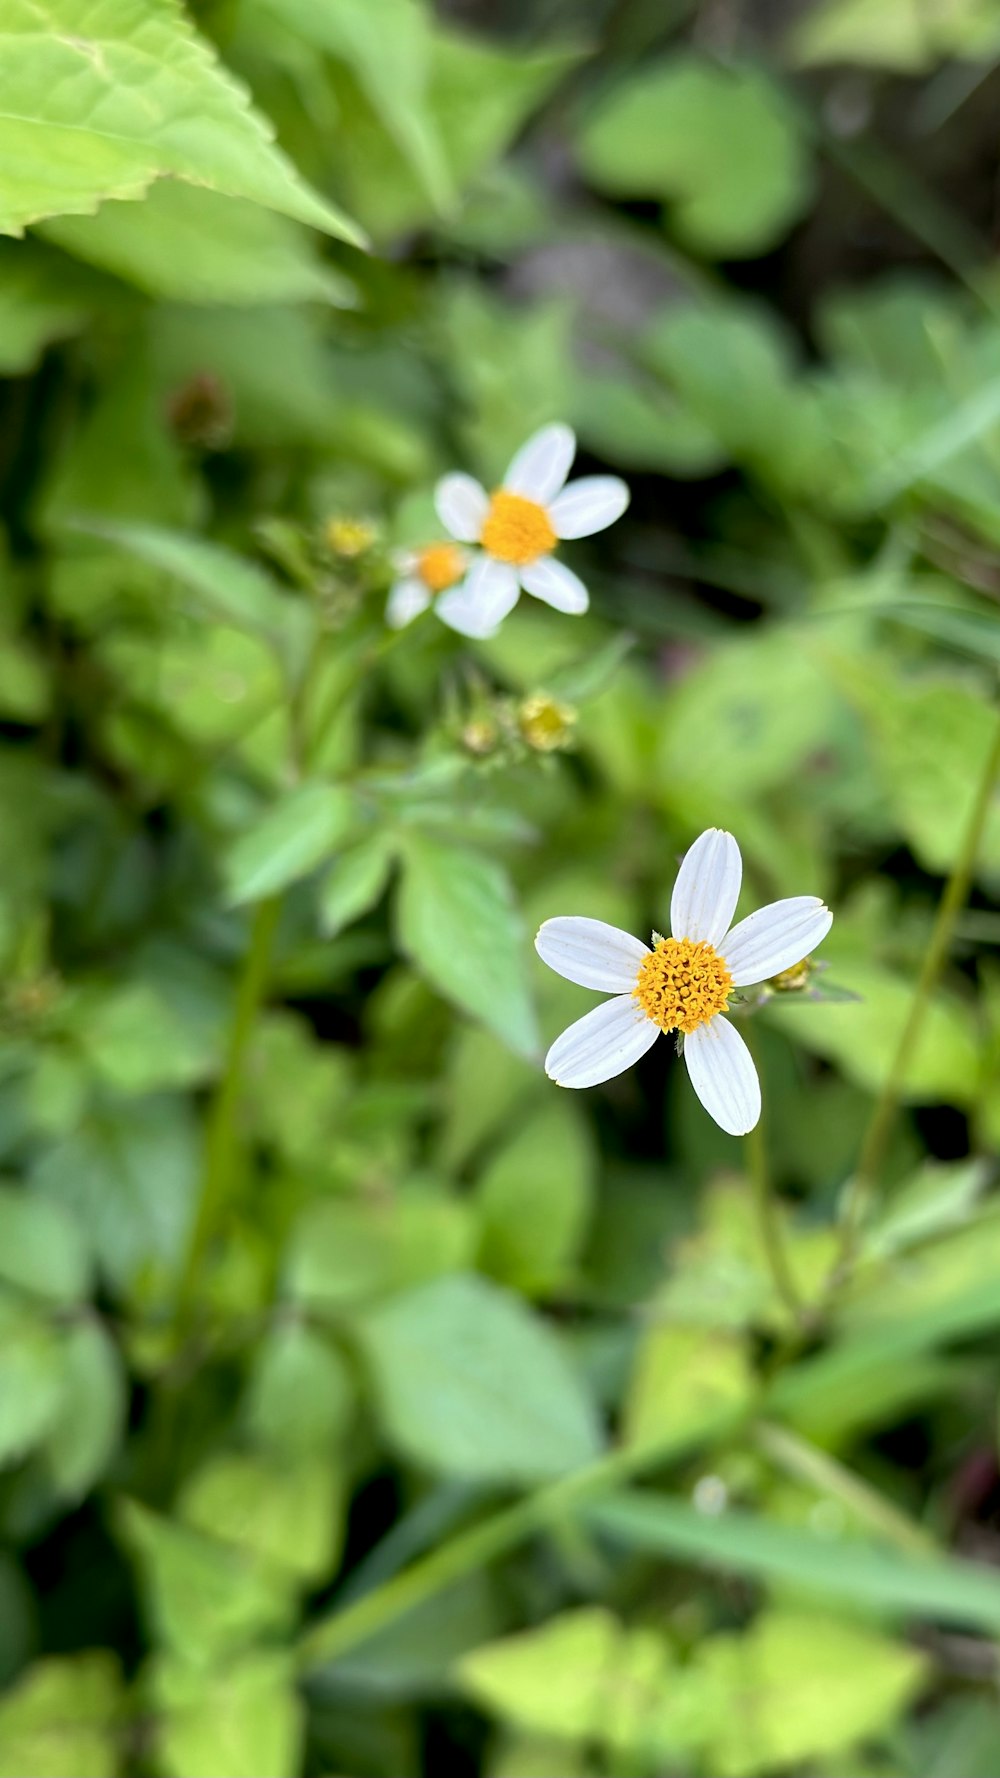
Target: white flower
[
  {"x": 423, "y": 575},
  {"x": 683, "y": 983},
  {"x": 518, "y": 527}
]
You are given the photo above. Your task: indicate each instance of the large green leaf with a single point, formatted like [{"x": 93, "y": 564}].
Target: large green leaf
[
  {"x": 459, "y": 924},
  {"x": 289, "y": 840},
  {"x": 290, "y": 1513},
  {"x": 470, "y": 1383},
  {"x": 186, "y": 244},
  {"x": 98, "y": 98}
]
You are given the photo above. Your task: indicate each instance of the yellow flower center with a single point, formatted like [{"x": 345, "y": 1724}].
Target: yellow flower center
[
  {"x": 516, "y": 530},
  {"x": 440, "y": 565},
  {"x": 682, "y": 984}
]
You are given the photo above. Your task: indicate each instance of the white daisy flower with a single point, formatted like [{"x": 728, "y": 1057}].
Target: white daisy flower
[
  {"x": 425, "y": 574},
  {"x": 683, "y": 983},
  {"x": 518, "y": 527}
]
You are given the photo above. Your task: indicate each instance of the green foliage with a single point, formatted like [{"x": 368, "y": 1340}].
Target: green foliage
[{"x": 367, "y": 1403}]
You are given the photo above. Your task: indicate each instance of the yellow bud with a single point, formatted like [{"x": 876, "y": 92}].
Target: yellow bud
[
  {"x": 349, "y": 537},
  {"x": 544, "y": 722}
]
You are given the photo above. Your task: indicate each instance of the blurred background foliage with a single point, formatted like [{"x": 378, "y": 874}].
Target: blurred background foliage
[{"x": 306, "y": 1271}]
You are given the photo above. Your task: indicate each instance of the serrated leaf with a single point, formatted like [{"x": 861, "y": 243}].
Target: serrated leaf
[
  {"x": 354, "y": 882},
  {"x": 470, "y": 1383},
  {"x": 288, "y": 841},
  {"x": 459, "y": 925},
  {"x": 187, "y": 244},
  {"x": 98, "y": 98}
]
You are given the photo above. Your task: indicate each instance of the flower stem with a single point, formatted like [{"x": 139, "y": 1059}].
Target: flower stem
[
  {"x": 769, "y": 1223},
  {"x": 862, "y": 1188},
  {"x": 221, "y": 1139}
]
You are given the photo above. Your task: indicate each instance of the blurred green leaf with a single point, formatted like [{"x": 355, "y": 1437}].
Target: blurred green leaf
[
  {"x": 288, "y": 841},
  {"x": 32, "y": 1379},
  {"x": 470, "y": 1383},
  {"x": 42, "y": 1248},
  {"x": 355, "y": 882},
  {"x": 83, "y": 1440},
  {"x": 185, "y": 243},
  {"x": 938, "y": 1589},
  {"x": 241, "y": 1719},
  {"x": 61, "y": 1718},
  {"x": 685, "y": 1380},
  {"x": 40, "y": 301},
  {"x": 459, "y": 924},
  {"x": 719, "y": 145},
  {"x": 144, "y": 74},
  {"x": 533, "y": 1199},
  {"x": 291, "y": 1515},
  {"x": 300, "y": 1393}
]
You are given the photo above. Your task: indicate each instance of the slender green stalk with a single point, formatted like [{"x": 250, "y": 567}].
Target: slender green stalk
[
  {"x": 492, "y": 1537},
  {"x": 769, "y": 1223},
  {"x": 768, "y": 1220},
  {"x": 222, "y": 1137},
  {"x": 798, "y": 1458},
  {"x": 861, "y": 1191}
]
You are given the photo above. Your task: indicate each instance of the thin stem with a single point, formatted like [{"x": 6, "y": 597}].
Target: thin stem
[
  {"x": 861, "y": 1191},
  {"x": 806, "y": 1463},
  {"x": 482, "y": 1543},
  {"x": 768, "y": 1220},
  {"x": 222, "y": 1138}
]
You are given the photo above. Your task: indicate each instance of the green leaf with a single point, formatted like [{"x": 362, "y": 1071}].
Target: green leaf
[
  {"x": 288, "y": 841},
  {"x": 470, "y": 1383},
  {"x": 534, "y": 1199},
  {"x": 109, "y": 97},
  {"x": 136, "y": 1041},
  {"x": 184, "y": 243},
  {"x": 203, "y": 1599},
  {"x": 61, "y": 1717},
  {"x": 227, "y": 585},
  {"x": 40, "y": 300},
  {"x": 127, "y": 1176},
  {"x": 85, "y": 1438},
  {"x": 42, "y": 1249},
  {"x": 798, "y": 1686},
  {"x": 719, "y": 145},
  {"x": 355, "y": 882},
  {"x": 459, "y": 925},
  {"x": 32, "y": 1378},
  {"x": 291, "y": 1514},
  {"x": 863, "y": 1037},
  {"x": 389, "y": 52},
  {"x": 242, "y": 1719},
  {"x": 685, "y": 1380},
  {"x": 300, "y": 1395},
  {"x": 558, "y": 1679},
  {"x": 935, "y": 1589}
]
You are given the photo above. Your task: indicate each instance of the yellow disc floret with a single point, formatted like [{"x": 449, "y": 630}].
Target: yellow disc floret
[
  {"x": 517, "y": 530},
  {"x": 440, "y": 565},
  {"x": 682, "y": 984}
]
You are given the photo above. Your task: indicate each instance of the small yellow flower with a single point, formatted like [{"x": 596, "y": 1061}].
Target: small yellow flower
[
  {"x": 545, "y": 723},
  {"x": 349, "y": 537}
]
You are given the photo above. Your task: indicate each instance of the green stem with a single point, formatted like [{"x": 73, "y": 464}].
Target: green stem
[
  {"x": 222, "y": 1136},
  {"x": 861, "y": 1191},
  {"x": 835, "y": 1481},
  {"x": 769, "y": 1223},
  {"x": 482, "y": 1543}
]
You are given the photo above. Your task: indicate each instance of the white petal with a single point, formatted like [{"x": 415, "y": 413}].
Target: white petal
[
  {"x": 542, "y": 465},
  {"x": 407, "y": 599},
  {"x": 588, "y": 505},
  {"x": 462, "y": 505},
  {"x": 591, "y": 953},
  {"x": 723, "y": 1075},
  {"x": 601, "y": 1044},
  {"x": 482, "y": 600},
  {"x": 556, "y": 584},
  {"x": 774, "y": 938},
  {"x": 707, "y": 888}
]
